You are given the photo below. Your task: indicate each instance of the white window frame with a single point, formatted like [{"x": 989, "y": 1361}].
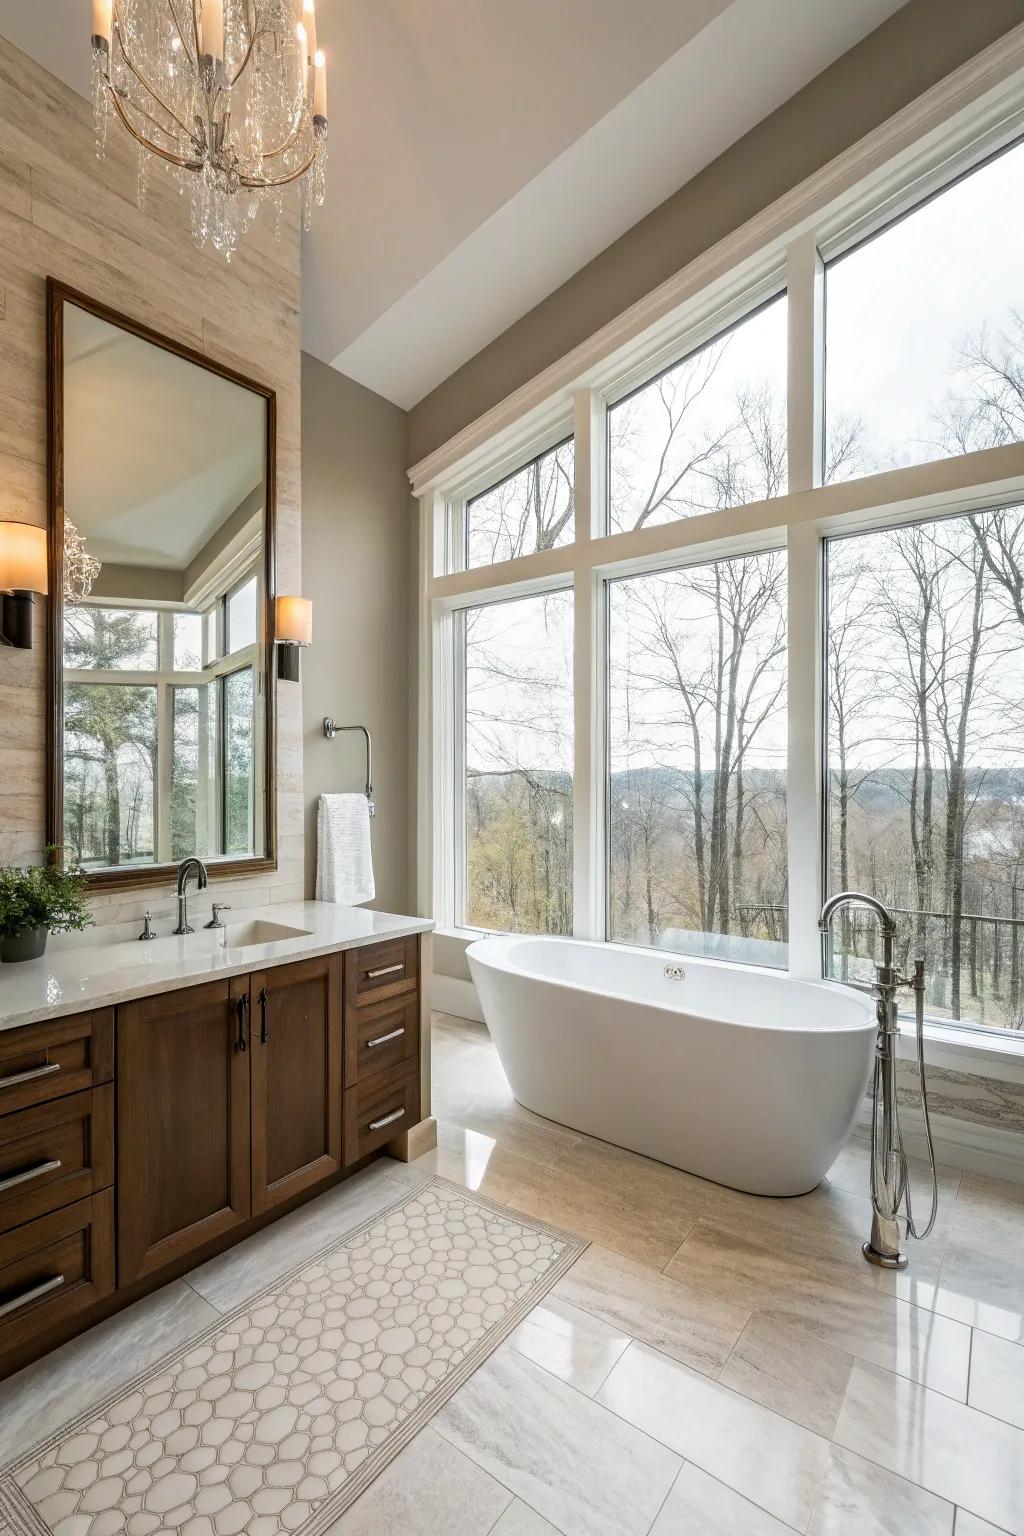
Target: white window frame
[{"x": 951, "y": 129}]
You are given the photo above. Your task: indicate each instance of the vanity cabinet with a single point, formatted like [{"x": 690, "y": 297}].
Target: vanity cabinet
[
  {"x": 295, "y": 1063},
  {"x": 133, "y": 1146},
  {"x": 183, "y": 1122}
]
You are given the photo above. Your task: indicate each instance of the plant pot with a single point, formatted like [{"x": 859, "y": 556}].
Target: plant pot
[{"x": 28, "y": 945}]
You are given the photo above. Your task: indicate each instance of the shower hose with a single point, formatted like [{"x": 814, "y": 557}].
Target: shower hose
[{"x": 890, "y": 1176}]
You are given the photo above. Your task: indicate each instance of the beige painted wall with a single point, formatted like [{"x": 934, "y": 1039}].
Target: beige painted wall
[
  {"x": 67, "y": 214},
  {"x": 914, "y": 49},
  {"x": 357, "y": 518}
]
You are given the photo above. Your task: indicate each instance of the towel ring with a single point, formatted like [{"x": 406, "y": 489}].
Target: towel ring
[{"x": 331, "y": 730}]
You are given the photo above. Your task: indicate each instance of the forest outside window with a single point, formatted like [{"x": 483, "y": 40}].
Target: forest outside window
[
  {"x": 514, "y": 774},
  {"x": 925, "y": 649},
  {"x": 925, "y": 330},
  {"x": 707, "y": 433},
  {"x": 697, "y": 759},
  {"x": 524, "y": 513}
]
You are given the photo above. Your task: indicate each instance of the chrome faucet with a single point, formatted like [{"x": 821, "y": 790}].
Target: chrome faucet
[
  {"x": 185, "y": 868},
  {"x": 890, "y": 1181}
]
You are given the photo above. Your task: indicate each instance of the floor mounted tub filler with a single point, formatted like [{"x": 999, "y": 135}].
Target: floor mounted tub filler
[{"x": 732, "y": 1072}]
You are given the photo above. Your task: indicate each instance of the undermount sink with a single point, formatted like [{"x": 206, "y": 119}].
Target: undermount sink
[{"x": 257, "y": 931}]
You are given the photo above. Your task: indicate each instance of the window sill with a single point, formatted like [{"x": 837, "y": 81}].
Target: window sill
[{"x": 965, "y": 1050}]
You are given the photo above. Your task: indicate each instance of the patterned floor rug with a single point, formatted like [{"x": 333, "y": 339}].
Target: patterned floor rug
[{"x": 279, "y": 1415}]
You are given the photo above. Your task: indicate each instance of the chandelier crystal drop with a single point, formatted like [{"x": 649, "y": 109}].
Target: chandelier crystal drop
[
  {"x": 229, "y": 95},
  {"x": 80, "y": 568}
]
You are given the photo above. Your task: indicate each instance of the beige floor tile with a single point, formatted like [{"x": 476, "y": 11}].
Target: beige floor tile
[
  {"x": 689, "y": 1323},
  {"x": 740, "y": 1267},
  {"x": 773, "y": 1462},
  {"x": 802, "y": 1378},
  {"x": 579, "y": 1466},
  {"x": 429, "y": 1487},
  {"x": 648, "y": 1233},
  {"x": 912, "y": 1341},
  {"x": 856, "y": 1496},
  {"x": 981, "y": 1283},
  {"x": 699, "y": 1505},
  {"x": 520, "y": 1520},
  {"x": 950, "y": 1449},
  {"x": 970, "y": 1525},
  {"x": 573, "y": 1345},
  {"x": 997, "y": 1378},
  {"x": 990, "y": 1210}
]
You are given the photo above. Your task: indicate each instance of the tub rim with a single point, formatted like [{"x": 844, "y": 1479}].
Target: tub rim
[{"x": 496, "y": 947}]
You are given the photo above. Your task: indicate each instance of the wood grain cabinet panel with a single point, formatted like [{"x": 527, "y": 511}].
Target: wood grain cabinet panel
[
  {"x": 46, "y": 1061},
  {"x": 54, "y": 1154},
  {"x": 381, "y": 971},
  {"x": 296, "y": 1078},
  {"x": 183, "y": 1122},
  {"x": 381, "y": 1036},
  {"x": 53, "y": 1268},
  {"x": 378, "y": 1110}
]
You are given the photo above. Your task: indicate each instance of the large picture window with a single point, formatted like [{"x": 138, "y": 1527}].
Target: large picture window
[
  {"x": 515, "y": 782},
  {"x": 697, "y": 759},
  {"x": 926, "y": 753},
  {"x": 707, "y": 433},
  {"x": 925, "y": 330},
  {"x": 727, "y": 675}
]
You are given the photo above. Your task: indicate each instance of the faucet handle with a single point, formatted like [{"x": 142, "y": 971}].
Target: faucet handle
[
  {"x": 218, "y": 908},
  {"x": 147, "y": 926}
]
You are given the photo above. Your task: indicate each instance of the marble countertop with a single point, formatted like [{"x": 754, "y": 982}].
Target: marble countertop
[{"x": 100, "y": 968}]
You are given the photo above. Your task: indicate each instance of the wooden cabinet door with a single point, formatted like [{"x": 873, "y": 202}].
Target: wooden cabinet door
[
  {"x": 183, "y": 1122},
  {"x": 296, "y": 1078}
]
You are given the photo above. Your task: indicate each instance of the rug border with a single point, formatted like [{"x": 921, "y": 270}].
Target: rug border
[{"x": 14, "y": 1507}]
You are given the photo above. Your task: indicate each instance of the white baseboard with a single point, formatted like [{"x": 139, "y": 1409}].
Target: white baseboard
[
  {"x": 450, "y": 994},
  {"x": 963, "y": 1144}
]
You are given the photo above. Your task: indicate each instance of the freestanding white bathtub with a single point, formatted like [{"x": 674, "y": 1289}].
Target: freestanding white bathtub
[{"x": 735, "y": 1073}]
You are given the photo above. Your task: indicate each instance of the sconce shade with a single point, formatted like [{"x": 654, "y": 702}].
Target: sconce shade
[
  {"x": 294, "y": 624},
  {"x": 22, "y": 558}
]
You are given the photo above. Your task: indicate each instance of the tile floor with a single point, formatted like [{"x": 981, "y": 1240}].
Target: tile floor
[{"x": 713, "y": 1365}]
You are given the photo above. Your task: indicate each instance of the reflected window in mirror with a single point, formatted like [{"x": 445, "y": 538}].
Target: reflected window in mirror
[{"x": 164, "y": 697}]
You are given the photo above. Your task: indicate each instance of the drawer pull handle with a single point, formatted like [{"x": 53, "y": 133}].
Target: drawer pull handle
[
  {"x": 29, "y": 1173},
  {"x": 378, "y": 1125},
  {"x": 32, "y": 1294},
  {"x": 396, "y": 1034},
  {"x": 30, "y": 1076},
  {"x": 385, "y": 970}
]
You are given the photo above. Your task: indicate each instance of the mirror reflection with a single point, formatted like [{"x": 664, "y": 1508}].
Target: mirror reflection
[{"x": 163, "y": 643}]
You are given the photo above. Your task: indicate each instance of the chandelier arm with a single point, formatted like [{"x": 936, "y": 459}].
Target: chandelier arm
[
  {"x": 145, "y": 83},
  {"x": 270, "y": 154},
  {"x": 140, "y": 138},
  {"x": 267, "y": 184},
  {"x": 255, "y": 32},
  {"x": 168, "y": 133},
  {"x": 172, "y": 7}
]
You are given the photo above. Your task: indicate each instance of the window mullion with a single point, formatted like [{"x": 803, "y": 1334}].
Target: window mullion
[
  {"x": 805, "y": 281},
  {"x": 587, "y": 778},
  {"x": 804, "y": 771}
]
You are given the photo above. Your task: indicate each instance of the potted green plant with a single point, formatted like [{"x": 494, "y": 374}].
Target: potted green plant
[{"x": 35, "y": 902}]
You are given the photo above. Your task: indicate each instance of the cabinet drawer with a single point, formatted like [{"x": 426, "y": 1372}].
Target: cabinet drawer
[
  {"x": 40, "y": 1062},
  {"x": 379, "y": 1110},
  {"x": 381, "y": 971},
  {"x": 55, "y": 1267},
  {"x": 381, "y": 1036},
  {"x": 54, "y": 1154}
]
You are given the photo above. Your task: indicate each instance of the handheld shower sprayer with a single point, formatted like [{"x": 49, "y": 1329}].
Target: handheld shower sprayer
[{"x": 890, "y": 1176}]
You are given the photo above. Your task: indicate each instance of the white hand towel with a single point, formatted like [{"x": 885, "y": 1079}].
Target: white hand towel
[{"x": 344, "y": 863}]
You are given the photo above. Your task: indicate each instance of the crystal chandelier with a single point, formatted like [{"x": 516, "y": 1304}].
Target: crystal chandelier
[
  {"x": 80, "y": 568},
  {"x": 230, "y": 95}
]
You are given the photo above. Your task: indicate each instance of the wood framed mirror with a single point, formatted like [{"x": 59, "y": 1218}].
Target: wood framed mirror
[{"x": 160, "y": 679}]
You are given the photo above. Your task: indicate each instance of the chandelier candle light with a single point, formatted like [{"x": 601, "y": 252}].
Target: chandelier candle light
[{"x": 231, "y": 95}]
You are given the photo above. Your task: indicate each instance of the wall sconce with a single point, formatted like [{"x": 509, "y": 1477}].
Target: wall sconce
[
  {"x": 23, "y": 573},
  {"x": 293, "y": 631}
]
